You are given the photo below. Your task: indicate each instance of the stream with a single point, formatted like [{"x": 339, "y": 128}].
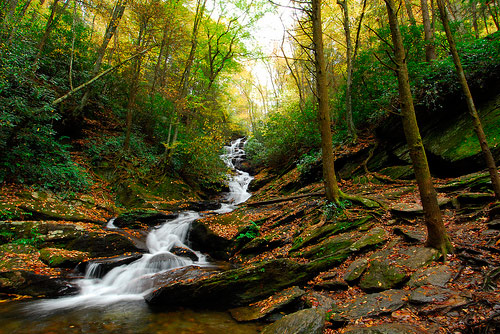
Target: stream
[{"x": 115, "y": 303}]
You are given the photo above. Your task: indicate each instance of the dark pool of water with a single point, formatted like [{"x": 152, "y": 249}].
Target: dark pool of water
[{"x": 123, "y": 318}]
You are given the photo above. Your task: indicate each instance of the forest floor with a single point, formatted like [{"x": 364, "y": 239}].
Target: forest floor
[{"x": 386, "y": 280}]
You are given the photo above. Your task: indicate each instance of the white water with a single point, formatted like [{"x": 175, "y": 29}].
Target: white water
[
  {"x": 239, "y": 181},
  {"x": 133, "y": 281}
]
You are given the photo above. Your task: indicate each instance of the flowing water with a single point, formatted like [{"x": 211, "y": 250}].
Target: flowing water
[{"x": 114, "y": 303}]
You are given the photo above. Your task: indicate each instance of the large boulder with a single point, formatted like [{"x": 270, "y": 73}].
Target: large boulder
[
  {"x": 140, "y": 219},
  {"x": 99, "y": 244},
  {"x": 28, "y": 283},
  {"x": 234, "y": 287}
]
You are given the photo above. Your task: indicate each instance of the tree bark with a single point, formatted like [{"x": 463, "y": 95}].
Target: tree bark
[
  {"x": 331, "y": 186},
  {"x": 409, "y": 11},
  {"x": 110, "y": 30},
  {"x": 436, "y": 233},
  {"x": 478, "y": 128},
  {"x": 348, "y": 98},
  {"x": 48, "y": 28},
  {"x": 430, "y": 48}
]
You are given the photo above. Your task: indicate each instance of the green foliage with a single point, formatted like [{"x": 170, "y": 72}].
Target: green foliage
[
  {"x": 250, "y": 232},
  {"x": 307, "y": 161},
  {"x": 284, "y": 135},
  {"x": 32, "y": 151},
  {"x": 331, "y": 209}
]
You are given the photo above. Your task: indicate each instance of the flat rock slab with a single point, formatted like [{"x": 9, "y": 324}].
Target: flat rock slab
[
  {"x": 436, "y": 275},
  {"x": 385, "y": 329},
  {"x": 235, "y": 287},
  {"x": 410, "y": 235},
  {"x": 267, "y": 306},
  {"x": 381, "y": 276},
  {"x": 371, "y": 305},
  {"x": 318, "y": 300},
  {"x": 417, "y": 257},
  {"x": 355, "y": 270},
  {"x": 309, "y": 321},
  {"x": 430, "y": 294},
  {"x": 374, "y": 237}
]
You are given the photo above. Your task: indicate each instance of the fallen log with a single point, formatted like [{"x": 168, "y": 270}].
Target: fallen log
[{"x": 284, "y": 199}]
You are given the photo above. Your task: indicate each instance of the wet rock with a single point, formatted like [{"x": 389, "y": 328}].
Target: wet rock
[
  {"x": 370, "y": 305},
  {"x": 385, "y": 329},
  {"x": 138, "y": 219},
  {"x": 235, "y": 287},
  {"x": 103, "y": 244},
  {"x": 101, "y": 267},
  {"x": 56, "y": 257},
  {"x": 200, "y": 206},
  {"x": 30, "y": 284},
  {"x": 435, "y": 275},
  {"x": 310, "y": 321},
  {"x": 267, "y": 306},
  {"x": 184, "y": 252},
  {"x": 355, "y": 270},
  {"x": 465, "y": 199},
  {"x": 374, "y": 237},
  {"x": 381, "y": 276},
  {"x": 203, "y": 239}
]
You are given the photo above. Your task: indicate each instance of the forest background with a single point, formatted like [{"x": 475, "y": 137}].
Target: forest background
[{"x": 174, "y": 83}]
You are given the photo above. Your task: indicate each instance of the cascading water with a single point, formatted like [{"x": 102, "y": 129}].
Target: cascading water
[
  {"x": 133, "y": 281},
  {"x": 239, "y": 181}
]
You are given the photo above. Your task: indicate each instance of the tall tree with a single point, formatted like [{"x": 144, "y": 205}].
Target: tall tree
[
  {"x": 436, "y": 232},
  {"x": 478, "y": 128},
  {"x": 331, "y": 186},
  {"x": 113, "y": 23},
  {"x": 430, "y": 48}
]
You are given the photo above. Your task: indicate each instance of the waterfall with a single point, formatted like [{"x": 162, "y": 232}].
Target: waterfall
[
  {"x": 239, "y": 180},
  {"x": 133, "y": 281}
]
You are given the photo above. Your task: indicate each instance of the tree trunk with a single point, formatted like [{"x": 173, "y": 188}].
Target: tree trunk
[
  {"x": 331, "y": 187},
  {"x": 348, "y": 98},
  {"x": 473, "y": 9},
  {"x": 436, "y": 233},
  {"x": 110, "y": 30},
  {"x": 48, "y": 28},
  {"x": 430, "y": 48},
  {"x": 409, "y": 11},
  {"x": 478, "y": 128},
  {"x": 134, "y": 86}
]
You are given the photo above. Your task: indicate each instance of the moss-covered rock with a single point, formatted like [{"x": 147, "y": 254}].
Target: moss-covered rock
[
  {"x": 56, "y": 257},
  {"x": 327, "y": 230},
  {"x": 234, "y": 287},
  {"x": 381, "y": 276}
]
